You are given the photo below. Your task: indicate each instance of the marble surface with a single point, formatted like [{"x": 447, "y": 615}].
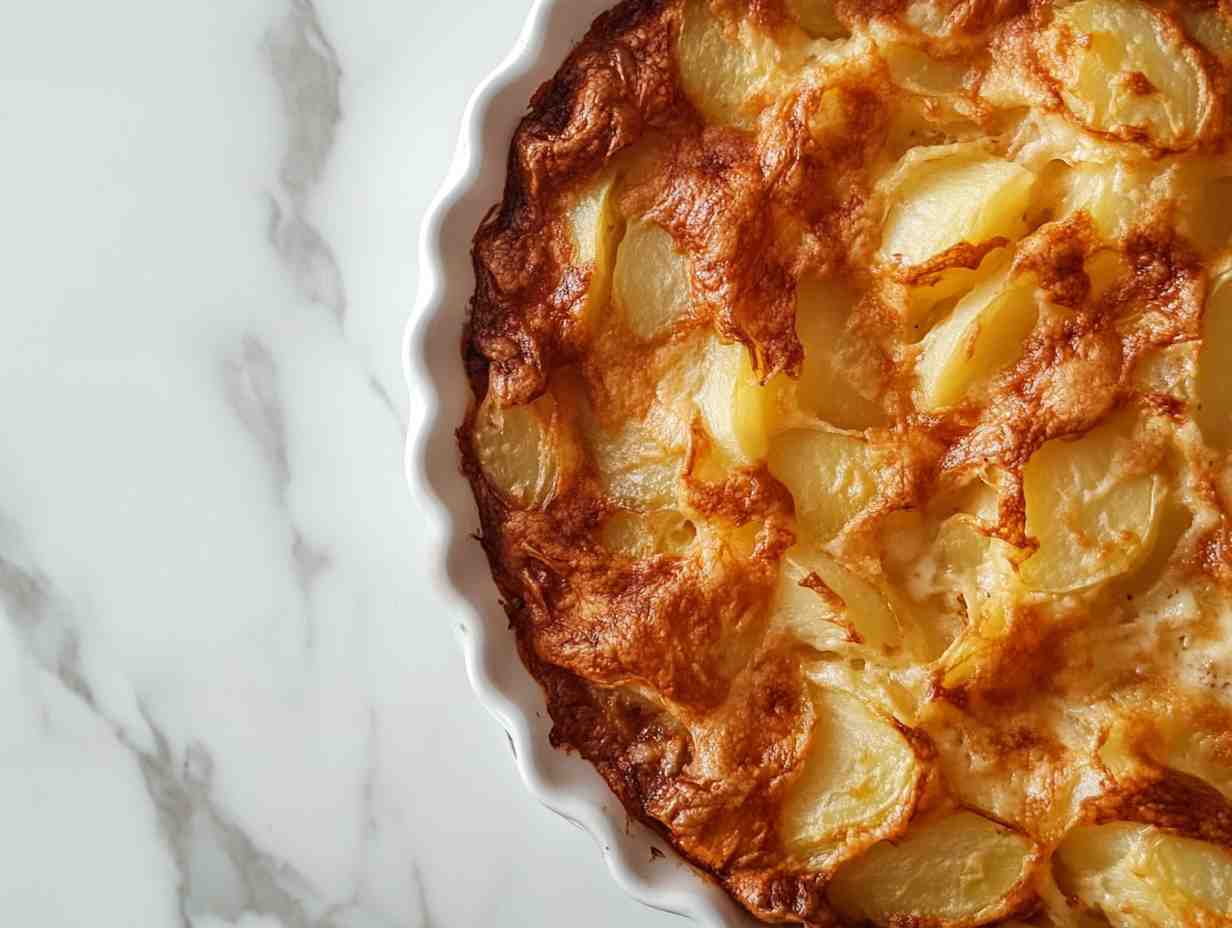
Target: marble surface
[{"x": 225, "y": 699}]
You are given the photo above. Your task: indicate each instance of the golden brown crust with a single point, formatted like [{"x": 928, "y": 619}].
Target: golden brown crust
[
  {"x": 666, "y": 661},
  {"x": 616, "y": 85}
]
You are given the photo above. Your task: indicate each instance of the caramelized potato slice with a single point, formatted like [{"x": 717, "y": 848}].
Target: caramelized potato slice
[
  {"x": 734, "y": 406},
  {"x": 650, "y": 285},
  {"x": 983, "y": 335},
  {"x": 594, "y": 224},
  {"x": 950, "y": 194},
  {"x": 1214, "y": 408},
  {"x": 1139, "y": 876},
  {"x": 831, "y": 476},
  {"x": 730, "y": 68},
  {"x": 1123, "y": 68},
  {"x": 826, "y": 605},
  {"x": 817, "y": 18},
  {"x": 519, "y": 450},
  {"x": 841, "y": 376},
  {"x": 1174, "y": 743},
  {"x": 859, "y": 780},
  {"x": 960, "y": 869},
  {"x": 1210, "y": 28},
  {"x": 1091, "y": 509}
]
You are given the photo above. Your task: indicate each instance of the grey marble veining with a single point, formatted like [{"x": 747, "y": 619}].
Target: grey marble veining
[{"x": 226, "y": 698}]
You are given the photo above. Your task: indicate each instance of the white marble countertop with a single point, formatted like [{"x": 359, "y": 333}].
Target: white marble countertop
[{"x": 224, "y": 698}]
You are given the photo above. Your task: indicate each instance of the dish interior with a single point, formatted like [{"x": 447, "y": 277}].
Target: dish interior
[{"x": 850, "y": 428}]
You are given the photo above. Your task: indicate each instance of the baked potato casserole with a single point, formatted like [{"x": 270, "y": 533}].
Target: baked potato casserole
[{"x": 850, "y": 438}]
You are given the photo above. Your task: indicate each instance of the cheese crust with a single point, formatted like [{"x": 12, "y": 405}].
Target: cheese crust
[{"x": 850, "y": 439}]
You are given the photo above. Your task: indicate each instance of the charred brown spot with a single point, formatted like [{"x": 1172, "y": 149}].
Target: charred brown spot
[
  {"x": 962, "y": 255},
  {"x": 1139, "y": 84}
]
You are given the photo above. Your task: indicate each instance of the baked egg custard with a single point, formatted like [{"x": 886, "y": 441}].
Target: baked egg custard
[{"x": 850, "y": 437}]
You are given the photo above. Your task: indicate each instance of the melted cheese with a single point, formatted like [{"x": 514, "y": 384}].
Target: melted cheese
[{"x": 852, "y": 444}]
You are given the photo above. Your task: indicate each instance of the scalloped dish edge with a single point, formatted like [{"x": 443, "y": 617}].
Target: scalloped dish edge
[{"x": 460, "y": 579}]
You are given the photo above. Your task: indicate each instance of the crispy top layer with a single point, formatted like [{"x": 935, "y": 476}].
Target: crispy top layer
[{"x": 853, "y": 405}]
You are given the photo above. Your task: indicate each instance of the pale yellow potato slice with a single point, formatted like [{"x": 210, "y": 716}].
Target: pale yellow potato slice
[
  {"x": 831, "y": 476},
  {"x": 735, "y": 407},
  {"x": 1198, "y": 753},
  {"x": 636, "y": 470},
  {"x": 858, "y": 781},
  {"x": 640, "y": 535},
  {"x": 729, "y": 68},
  {"x": 983, "y": 335},
  {"x": 594, "y": 223},
  {"x": 944, "y": 195},
  {"x": 1139, "y": 876},
  {"x": 1123, "y": 68},
  {"x": 1201, "y": 197},
  {"x": 968, "y": 655},
  {"x": 1115, "y": 195},
  {"x": 826, "y": 605},
  {"x": 915, "y": 70},
  {"x": 1214, "y": 408},
  {"x": 650, "y": 285},
  {"x": 957, "y": 870},
  {"x": 1174, "y": 743},
  {"x": 981, "y": 569},
  {"x": 1092, "y": 512},
  {"x": 519, "y": 450},
  {"x": 841, "y": 375}
]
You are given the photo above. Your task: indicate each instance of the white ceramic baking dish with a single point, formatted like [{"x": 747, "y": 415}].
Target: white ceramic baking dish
[{"x": 439, "y": 391}]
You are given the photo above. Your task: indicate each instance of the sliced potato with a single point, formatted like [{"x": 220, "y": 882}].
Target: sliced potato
[
  {"x": 636, "y": 470},
  {"x": 984, "y": 334},
  {"x": 1114, "y": 195},
  {"x": 1203, "y": 196},
  {"x": 980, "y": 569},
  {"x": 841, "y": 376},
  {"x": 640, "y": 535},
  {"x": 960, "y": 869},
  {"x": 1123, "y": 68},
  {"x": 519, "y": 450},
  {"x": 1200, "y": 751},
  {"x": 650, "y": 285},
  {"x": 915, "y": 70},
  {"x": 974, "y": 564},
  {"x": 594, "y": 223},
  {"x": 858, "y": 781},
  {"x": 825, "y": 605},
  {"x": 729, "y": 68},
  {"x": 1214, "y": 409},
  {"x": 1210, "y": 28},
  {"x": 1139, "y": 876},
  {"x": 831, "y": 476},
  {"x": 1174, "y": 744},
  {"x": 817, "y": 18},
  {"x": 735, "y": 407},
  {"x": 1090, "y": 507},
  {"x": 948, "y": 194}
]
